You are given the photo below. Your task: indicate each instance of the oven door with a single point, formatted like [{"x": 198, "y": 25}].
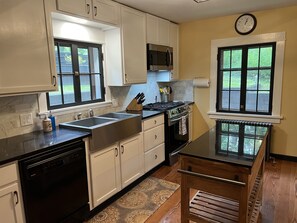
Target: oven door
[{"x": 176, "y": 137}]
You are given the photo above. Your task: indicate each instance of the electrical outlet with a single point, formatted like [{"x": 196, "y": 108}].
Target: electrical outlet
[{"x": 26, "y": 119}]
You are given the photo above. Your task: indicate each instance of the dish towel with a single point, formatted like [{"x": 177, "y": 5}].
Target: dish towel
[{"x": 182, "y": 126}]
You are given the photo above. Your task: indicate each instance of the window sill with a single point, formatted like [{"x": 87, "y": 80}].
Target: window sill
[
  {"x": 77, "y": 109},
  {"x": 245, "y": 117}
]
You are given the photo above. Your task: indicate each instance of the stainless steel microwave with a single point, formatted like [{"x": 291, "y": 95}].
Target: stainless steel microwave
[{"x": 159, "y": 57}]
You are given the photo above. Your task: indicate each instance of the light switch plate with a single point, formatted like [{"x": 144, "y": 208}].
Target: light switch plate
[{"x": 26, "y": 119}]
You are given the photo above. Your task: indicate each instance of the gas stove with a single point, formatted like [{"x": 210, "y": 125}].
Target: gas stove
[
  {"x": 173, "y": 108},
  {"x": 162, "y": 106}
]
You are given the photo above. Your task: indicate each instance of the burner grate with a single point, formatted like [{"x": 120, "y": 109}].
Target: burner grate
[{"x": 162, "y": 106}]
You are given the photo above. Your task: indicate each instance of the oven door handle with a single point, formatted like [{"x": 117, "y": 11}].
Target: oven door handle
[{"x": 177, "y": 119}]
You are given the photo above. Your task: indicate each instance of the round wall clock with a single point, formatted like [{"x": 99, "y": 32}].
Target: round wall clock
[{"x": 245, "y": 24}]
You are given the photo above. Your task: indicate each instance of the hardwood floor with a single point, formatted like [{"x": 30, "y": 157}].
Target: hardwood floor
[{"x": 279, "y": 194}]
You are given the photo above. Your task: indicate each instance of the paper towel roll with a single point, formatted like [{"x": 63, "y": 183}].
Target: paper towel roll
[{"x": 201, "y": 82}]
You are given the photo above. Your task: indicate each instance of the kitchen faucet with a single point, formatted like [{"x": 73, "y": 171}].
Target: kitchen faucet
[
  {"x": 78, "y": 116},
  {"x": 91, "y": 112}
]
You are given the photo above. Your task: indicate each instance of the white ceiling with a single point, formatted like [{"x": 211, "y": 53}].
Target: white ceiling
[{"x": 187, "y": 10}]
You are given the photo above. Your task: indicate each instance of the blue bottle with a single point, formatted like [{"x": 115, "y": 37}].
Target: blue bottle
[{"x": 53, "y": 120}]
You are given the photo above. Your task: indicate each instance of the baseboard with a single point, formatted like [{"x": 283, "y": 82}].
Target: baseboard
[{"x": 284, "y": 157}]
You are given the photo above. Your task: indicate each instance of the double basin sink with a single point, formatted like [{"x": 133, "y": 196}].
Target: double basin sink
[{"x": 108, "y": 128}]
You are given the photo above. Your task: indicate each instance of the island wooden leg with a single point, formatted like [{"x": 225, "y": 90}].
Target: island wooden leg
[
  {"x": 243, "y": 205},
  {"x": 185, "y": 199}
]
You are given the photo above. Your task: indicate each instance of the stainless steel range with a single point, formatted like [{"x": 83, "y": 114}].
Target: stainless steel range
[{"x": 176, "y": 127}]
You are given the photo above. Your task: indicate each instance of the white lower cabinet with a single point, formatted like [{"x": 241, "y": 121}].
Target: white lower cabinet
[
  {"x": 115, "y": 167},
  {"x": 132, "y": 159},
  {"x": 153, "y": 137},
  {"x": 105, "y": 174},
  {"x": 154, "y": 157},
  {"x": 11, "y": 209}
]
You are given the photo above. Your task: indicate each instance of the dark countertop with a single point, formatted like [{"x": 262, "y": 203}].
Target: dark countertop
[
  {"x": 21, "y": 146},
  {"x": 229, "y": 142},
  {"x": 145, "y": 114}
]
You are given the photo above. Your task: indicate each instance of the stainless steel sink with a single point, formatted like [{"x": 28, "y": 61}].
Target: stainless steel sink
[
  {"x": 89, "y": 123},
  {"x": 117, "y": 115},
  {"x": 108, "y": 128}
]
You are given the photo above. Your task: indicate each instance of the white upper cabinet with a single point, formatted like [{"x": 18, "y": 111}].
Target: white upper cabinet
[
  {"x": 26, "y": 48},
  {"x": 158, "y": 30},
  {"x": 174, "y": 43},
  {"x": 78, "y": 7},
  {"x": 126, "y": 50},
  {"x": 102, "y": 10},
  {"x": 107, "y": 11}
]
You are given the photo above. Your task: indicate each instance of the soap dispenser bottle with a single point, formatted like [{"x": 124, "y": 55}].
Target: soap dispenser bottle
[{"x": 47, "y": 124}]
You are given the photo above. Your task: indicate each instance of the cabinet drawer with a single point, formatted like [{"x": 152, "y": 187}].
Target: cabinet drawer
[
  {"x": 153, "y": 122},
  {"x": 8, "y": 174},
  {"x": 153, "y": 137},
  {"x": 154, "y": 157}
]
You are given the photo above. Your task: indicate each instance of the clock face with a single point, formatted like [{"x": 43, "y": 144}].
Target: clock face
[{"x": 245, "y": 24}]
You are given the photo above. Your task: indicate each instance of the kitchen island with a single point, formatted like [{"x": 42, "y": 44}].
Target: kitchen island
[{"x": 226, "y": 166}]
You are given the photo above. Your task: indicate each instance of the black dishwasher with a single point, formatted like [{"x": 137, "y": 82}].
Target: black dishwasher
[{"x": 54, "y": 185}]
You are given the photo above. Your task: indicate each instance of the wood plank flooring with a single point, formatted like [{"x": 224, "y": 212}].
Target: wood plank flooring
[{"x": 279, "y": 194}]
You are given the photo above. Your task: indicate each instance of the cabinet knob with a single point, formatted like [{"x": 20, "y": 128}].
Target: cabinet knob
[
  {"x": 95, "y": 10},
  {"x": 88, "y": 8}
]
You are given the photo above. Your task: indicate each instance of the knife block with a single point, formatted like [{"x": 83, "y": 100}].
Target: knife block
[{"x": 133, "y": 106}]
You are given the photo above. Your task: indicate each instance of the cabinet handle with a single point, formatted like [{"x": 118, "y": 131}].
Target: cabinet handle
[
  {"x": 126, "y": 79},
  {"x": 54, "y": 80},
  {"x": 123, "y": 149},
  {"x": 88, "y": 8},
  {"x": 16, "y": 196},
  {"x": 156, "y": 136},
  {"x": 95, "y": 10},
  {"x": 117, "y": 152},
  {"x": 155, "y": 121},
  {"x": 156, "y": 156}
]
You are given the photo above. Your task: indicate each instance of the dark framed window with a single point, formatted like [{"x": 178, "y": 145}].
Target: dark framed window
[
  {"x": 79, "y": 74},
  {"x": 245, "y": 79}
]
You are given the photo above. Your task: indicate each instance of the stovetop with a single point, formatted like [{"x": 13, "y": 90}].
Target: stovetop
[{"x": 163, "y": 106}]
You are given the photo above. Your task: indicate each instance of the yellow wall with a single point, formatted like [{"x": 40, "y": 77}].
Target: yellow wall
[{"x": 195, "y": 43}]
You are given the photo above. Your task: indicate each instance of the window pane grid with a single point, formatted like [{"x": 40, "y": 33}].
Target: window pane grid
[
  {"x": 246, "y": 88},
  {"x": 83, "y": 86}
]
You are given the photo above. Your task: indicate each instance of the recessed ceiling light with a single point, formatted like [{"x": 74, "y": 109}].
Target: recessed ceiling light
[{"x": 200, "y": 1}]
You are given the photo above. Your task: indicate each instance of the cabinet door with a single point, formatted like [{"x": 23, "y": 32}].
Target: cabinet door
[
  {"x": 134, "y": 45},
  {"x": 105, "y": 174},
  {"x": 152, "y": 29},
  {"x": 106, "y": 11},
  {"x": 77, "y": 7},
  {"x": 132, "y": 159},
  {"x": 163, "y": 29},
  {"x": 10, "y": 205},
  {"x": 25, "y": 53},
  {"x": 174, "y": 43}
]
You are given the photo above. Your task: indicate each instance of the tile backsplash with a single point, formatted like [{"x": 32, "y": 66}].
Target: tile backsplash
[{"x": 12, "y": 107}]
